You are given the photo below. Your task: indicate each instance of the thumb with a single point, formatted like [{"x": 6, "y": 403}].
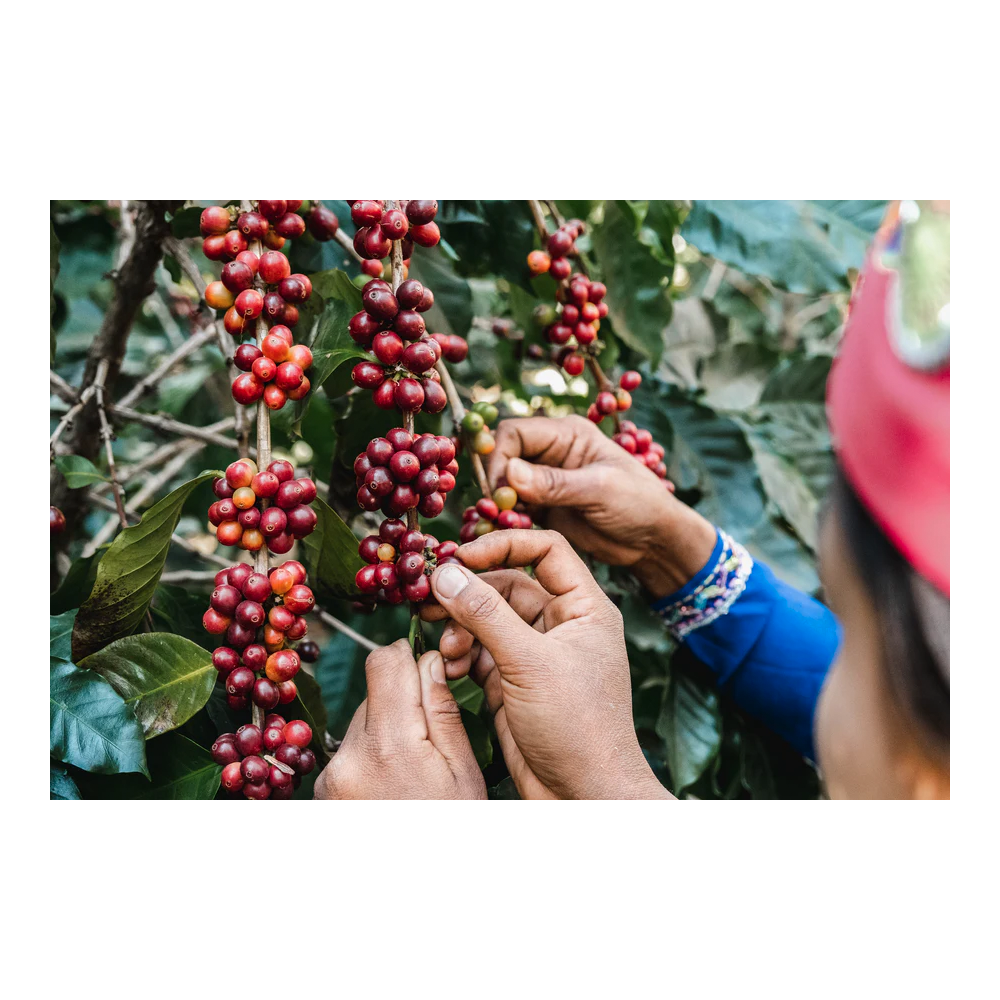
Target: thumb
[
  {"x": 550, "y": 486},
  {"x": 475, "y": 605},
  {"x": 444, "y": 718}
]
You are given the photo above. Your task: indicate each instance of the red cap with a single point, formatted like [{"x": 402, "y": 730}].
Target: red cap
[{"x": 888, "y": 404}]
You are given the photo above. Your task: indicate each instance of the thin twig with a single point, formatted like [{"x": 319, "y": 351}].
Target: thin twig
[
  {"x": 108, "y": 434},
  {"x": 336, "y": 623},
  {"x": 457, "y": 413},
  {"x": 70, "y": 415},
  {"x": 62, "y": 388},
  {"x": 347, "y": 243},
  {"x": 147, "y": 384},
  {"x": 168, "y": 425}
]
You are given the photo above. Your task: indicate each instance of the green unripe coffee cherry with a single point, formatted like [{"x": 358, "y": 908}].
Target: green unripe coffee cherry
[
  {"x": 302, "y": 452},
  {"x": 544, "y": 315},
  {"x": 360, "y": 280},
  {"x": 472, "y": 422},
  {"x": 487, "y": 411}
]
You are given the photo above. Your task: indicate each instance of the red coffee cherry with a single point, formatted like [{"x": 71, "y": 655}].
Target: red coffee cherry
[
  {"x": 232, "y": 776},
  {"x": 417, "y": 591},
  {"x": 378, "y": 301},
  {"x": 282, "y": 665},
  {"x": 289, "y": 494},
  {"x": 252, "y": 225},
  {"x": 418, "y": 357},
  {"x": 630, "y": 381},
  {"x": 214, "y": 221},
  {"x": 431, "y": 505},
  {"x": 366, "y": 213},
  {"x": 288, "y": 376},
  {"x": 299, "y": 599},
  {"x": 249, "y": 740},
  {"x": 297, "y": 733},
  {"x": 254, "y": 768},
  {"x": 301, "y": 521},
  {"x": 265, "y": 694},
  {"x": 233, "y": 244},
  {"x": 236, "y": 276},
  {"x": 224, "y": 749},
  {"x": 388, "y": 348},
  {"x": 273, "y": 267},
  {"x": 409, "y": 324},
  {"x": 560, "y": 268},
  {"x": 409, "y": 395},
  {"x": 394, "y": 224},
  {"x": 427, "y": 235},
  {"x": 282, "y": 469},
  {"x": 322, "y": 223},
  {"x": 409, "y": 294},
  {"x": 290, "y": 225},
  {"x": 367, "y": 375},
  {"x": 420, "y": 212}
]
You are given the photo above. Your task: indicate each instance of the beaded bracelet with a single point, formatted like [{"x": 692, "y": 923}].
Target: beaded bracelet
[{"x": 716, "y": 593}]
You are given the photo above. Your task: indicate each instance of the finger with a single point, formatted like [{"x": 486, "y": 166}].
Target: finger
[
  {"x": 393, "y": 691},
  {"x": 557, "y": 567},
  {"x": 551, "y": 442},
  {"x": 550, "y": 486},
  {"x": 480, "y": 609},
  {"x": 444, "y": 718}
]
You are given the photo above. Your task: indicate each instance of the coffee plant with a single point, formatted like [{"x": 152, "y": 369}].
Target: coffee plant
[{"x": 269, "y": 420}]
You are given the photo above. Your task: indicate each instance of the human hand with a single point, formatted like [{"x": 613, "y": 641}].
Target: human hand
[
  {"x": 602, "y": 499},
  {"x": 406, "y": 740},
  {"x": 549, "y": 652}
]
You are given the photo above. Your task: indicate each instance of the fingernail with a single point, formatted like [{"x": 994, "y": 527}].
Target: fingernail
[
  {"x": 437, "y": 668},
  {"x": 450, "y": 580}
]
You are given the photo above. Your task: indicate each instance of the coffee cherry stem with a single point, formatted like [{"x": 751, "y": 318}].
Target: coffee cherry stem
[{"x": 457, "y": 415}]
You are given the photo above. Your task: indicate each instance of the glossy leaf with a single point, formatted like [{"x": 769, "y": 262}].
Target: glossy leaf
[
  {"x": 164, "y": 678},
  {"x": 479, "y": 737},
  {"x": 638, "y": 300},
  {"x": 77, "y": 583},
  {"x": 61, "y": 634},
  {"x": 332, "y": 346},
  {"x": 61, "y": 785},
  {"x": 128, "y": 574},
  {"x": 79, "y": 471},
  {"x": 468, "y": 694},
  {"x": 309, "y": 707},
  {"x": 186, "y": 222},
  {"x": 331, "y": 553},
  {"x": 802, "y": 246},
  {"x": 691, "y": 729},
  {"x": 180, "y": 769},
  {"x": 333, "y": 672},
  {"x": 90, "y": 725},
  {"x": 452, "y": 296}
]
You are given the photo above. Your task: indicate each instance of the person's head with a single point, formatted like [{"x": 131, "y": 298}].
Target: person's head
[{"x": 882, "y": 722}]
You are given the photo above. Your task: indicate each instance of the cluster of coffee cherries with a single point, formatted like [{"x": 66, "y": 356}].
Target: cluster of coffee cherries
[
  {"x": 476, "y": 423},
  {"x": 400, "y": 562},
  {"x": 240, "y": 520},
  {"x": 258, "y": 615},
  {"x": 403, "y": 471},
  {"x": 377, "y": 226},
  {"x": 402, "y": 374},
  {"x": 572, "y": 328},
  {"x": 560, "y": 246},
  {"x": 619, "y": 400},
  {"x": 266, "y": 763},
  {"x": 638, "y": 442},
  {"x": 502, "y": 511}
]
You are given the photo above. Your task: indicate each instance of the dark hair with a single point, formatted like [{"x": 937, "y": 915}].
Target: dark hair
[{"x": 913, "y": 618}]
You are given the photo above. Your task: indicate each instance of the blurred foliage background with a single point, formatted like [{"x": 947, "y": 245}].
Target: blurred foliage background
[{"x": 731, "y": 310}]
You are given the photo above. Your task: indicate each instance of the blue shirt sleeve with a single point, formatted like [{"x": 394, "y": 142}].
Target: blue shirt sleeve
[{"x": 769, "y": 645}]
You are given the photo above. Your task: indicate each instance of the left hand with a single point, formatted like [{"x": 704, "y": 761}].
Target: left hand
[{"x": 406, "y": 740}]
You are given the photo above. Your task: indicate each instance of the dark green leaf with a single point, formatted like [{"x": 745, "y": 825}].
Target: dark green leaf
[
  {"x": 164, "y": 678},
  {"x": 755, "y": 770},
  {"x": 129, "y": 572},
  {"x": 180, "y": 769},
  {"x": 479, "y": 737},
  {"x": 77, "y": 583},
  {"x": 333, "y": 672},
  {"x": 638, "y": 301},
  {"x": 452, "y": 296},
  {"x": 79, "y": 471},
  {"x": 90, "y": 725},
  {"x": 332, "y": 345},
  {"x": 691, "y": 729},
  {"x": 186, "y": 223},
  {"x": 309, "y": 707},
  {"x": 803, "y": 246},
  {"x": 61, "y": 785},
  {"x": 800, "y": 381},
  {"x": 61, "y": 635},
  {"x": 331, "y": 553},
  {"x": 178, "y": 610}
]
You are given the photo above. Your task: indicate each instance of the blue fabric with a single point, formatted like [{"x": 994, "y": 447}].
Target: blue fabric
[{"x": 770, "y": 652}]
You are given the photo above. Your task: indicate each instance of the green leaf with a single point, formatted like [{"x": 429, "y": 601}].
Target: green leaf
[
  {"x": 799, "y": 381},
  {"x": 690, "y": 726},
  {"x": 331, "y": 553},
  {"x": 309, "y": 707},
  {"x": 755, "y": 769},
  {"x": 90, "y": 725},
  {"x": 54, "y": 247},
  {"x": 61, "y": 634},
  {"x": 77, "y": 583},
  {"x": 79, "y": 471},
  {"x": 452, "y": 295},
  {"x": 333, "y": 673},
  {"x": 332, "y": 345},
  {"x": 186, "y": 222},
  {"x": 638, "y": 301},
  {"x": 468, "y": 693},
  {"x": 479, "y": 736},
  {"x": 164, "y": 678},
  {"x": 61, "y": 785},
  {"x": 802, "y": 246},
  {"x": 129, "y": 572},
  {"x": 180, "y": 769}
]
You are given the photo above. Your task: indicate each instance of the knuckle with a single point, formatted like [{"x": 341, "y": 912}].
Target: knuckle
[{"x": 482, "y": 603}]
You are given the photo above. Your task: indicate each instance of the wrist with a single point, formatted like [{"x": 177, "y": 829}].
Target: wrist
[
  {"x": 681, "y": 545},
  {"x": 628, "y": 777}
]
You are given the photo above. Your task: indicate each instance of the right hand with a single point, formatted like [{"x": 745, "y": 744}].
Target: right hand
[
  {"x": 549, "y": 653},
  {"x": 602, "y": 499}
]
